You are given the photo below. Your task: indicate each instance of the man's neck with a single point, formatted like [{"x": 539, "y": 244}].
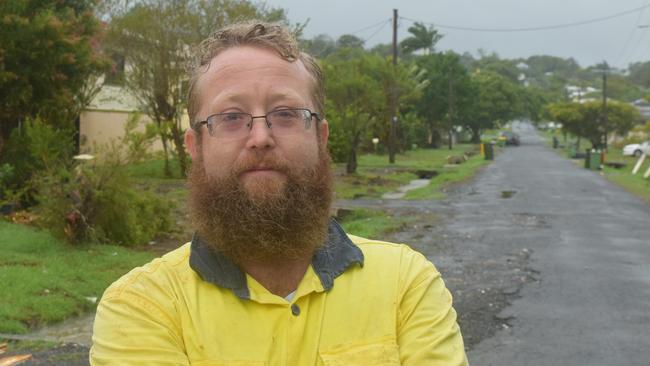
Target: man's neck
[{"x": 279, "y": 278}]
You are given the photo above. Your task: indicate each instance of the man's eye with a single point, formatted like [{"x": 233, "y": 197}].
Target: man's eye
[
  {"x": 287, "y": 114},
  {"x": 232, "y": 117}
]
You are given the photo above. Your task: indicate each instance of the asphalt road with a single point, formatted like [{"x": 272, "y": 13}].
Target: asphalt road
[{"x": 589, "y": 245}]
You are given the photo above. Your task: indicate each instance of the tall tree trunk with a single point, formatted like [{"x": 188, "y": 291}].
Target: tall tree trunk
[
  {"x": 351, "y": 166},
  {"x": 451, "y": 138},
  {"x": 177, "y": 137},
  {"x": 167, "y": 171},
  {"x": 476, "y": 135}
]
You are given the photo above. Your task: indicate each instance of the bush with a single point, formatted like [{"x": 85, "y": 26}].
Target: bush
[
  {"x": 33, "y": 147},
  {"x": 98, "y": 200}
]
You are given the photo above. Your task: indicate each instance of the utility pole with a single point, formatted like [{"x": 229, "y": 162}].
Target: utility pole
[
  {"x": 605, "y": 117},
  {"x": 450, "y": 110},
  {"x": 605, "y": 70},
  {"x": 392, "y": 138}
]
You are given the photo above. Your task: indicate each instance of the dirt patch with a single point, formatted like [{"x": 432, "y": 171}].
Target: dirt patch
[{"x": 50, "y": 354}]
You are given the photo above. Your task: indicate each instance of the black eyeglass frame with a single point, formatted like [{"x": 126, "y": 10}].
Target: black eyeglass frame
[{"x": 197, "y": 125}]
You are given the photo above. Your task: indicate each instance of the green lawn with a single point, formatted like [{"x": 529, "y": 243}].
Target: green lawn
[
  {"x": 371, "y": 223},
  {"x": 153, "y": 169},
  {"x": 634, "y": 184},
  {"x": 448, "y": 176},
  {"x": 376, "y": 176},
  {"x": 44, "y": 280}
]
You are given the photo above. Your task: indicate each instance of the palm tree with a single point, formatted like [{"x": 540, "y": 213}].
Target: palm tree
[{"x": 423, "y": 39}]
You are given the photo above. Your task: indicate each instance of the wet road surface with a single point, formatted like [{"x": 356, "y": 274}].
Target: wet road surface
[{"x": 590, "y": 251}]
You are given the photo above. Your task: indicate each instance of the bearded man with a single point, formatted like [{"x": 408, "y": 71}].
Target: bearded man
[{"x": 269, "y": 278}]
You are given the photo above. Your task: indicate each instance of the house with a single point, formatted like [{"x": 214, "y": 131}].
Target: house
[{"x": 104, "y": 118}]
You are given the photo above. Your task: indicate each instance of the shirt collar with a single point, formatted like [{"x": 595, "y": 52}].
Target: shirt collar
[{"x": 336, "y": 255}]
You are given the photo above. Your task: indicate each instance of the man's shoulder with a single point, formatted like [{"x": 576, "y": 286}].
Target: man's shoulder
[
  {"x": 386, "y": 253},
  {"x": 165, "y": 269}
]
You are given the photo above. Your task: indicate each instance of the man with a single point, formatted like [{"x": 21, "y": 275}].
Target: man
[{"x": 269, "y": 278}]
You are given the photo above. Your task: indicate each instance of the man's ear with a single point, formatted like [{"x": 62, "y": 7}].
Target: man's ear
[
  {"x": 324, "y": 131},
  {"x": 192, "y": 144}
]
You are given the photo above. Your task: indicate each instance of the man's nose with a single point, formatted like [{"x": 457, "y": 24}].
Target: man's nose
[{"x": 261, "y": 135}]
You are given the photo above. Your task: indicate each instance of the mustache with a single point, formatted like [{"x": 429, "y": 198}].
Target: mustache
[{"x": 258, "y": 161}]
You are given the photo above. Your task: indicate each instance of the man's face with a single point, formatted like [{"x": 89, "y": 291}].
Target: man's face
[
  {"x": 262, "y": 197},
  {"x": 256, "y": 81}
]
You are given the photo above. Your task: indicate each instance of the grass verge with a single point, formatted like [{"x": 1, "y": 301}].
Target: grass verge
[
  {"x": 371, "y": 223},
  {"x": 375, "y": 176},
  {"x": 635, "y": 184},
  {"x": 45, "y": 280},
  {"x": 449, "y": 176}
]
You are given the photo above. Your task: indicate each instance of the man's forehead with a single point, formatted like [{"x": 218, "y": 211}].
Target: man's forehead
[{"x": 248, "y": 59}]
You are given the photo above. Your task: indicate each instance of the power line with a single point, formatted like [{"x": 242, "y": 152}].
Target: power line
[
  {"x": 533, "y": 29},
  {"x": 635, "y": 28},
  {"x": 370, "y": 26},
  {"x": 377, "y": 31}
]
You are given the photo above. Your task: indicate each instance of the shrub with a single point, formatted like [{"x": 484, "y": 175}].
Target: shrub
[
  {"x": 33, "y": 147},
  {"x": 98, "y": 200}
]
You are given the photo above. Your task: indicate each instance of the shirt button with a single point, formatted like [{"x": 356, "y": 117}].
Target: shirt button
[{"x": 295, "y": 310}]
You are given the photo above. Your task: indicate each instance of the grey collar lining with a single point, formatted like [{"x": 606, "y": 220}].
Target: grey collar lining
[{"x": 336, "y": 255}]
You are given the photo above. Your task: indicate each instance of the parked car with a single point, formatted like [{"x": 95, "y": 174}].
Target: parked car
[
  {"x": 510, "y": 137},
  {"x": 637, "y": 149}
]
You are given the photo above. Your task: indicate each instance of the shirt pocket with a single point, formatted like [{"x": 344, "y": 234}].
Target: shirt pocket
[
  {"x": 228, "y": 363},
  {"x": 381, "y": 353}
]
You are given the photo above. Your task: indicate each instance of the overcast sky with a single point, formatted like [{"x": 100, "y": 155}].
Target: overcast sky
[{"x": 619, "y": 41}]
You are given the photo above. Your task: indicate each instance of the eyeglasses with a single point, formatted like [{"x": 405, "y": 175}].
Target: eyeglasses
[{"x": 237, "y": 125}]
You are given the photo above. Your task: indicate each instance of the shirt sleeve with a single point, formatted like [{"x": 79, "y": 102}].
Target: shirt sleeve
[
  {"x": 427, "y": 331},
  {"x": 131, "y": 329}
]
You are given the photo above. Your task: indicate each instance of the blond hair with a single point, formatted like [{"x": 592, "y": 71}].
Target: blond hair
[{"x": 272, "y": 36}]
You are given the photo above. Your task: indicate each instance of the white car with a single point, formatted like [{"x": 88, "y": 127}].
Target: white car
[{"x": 637, "y": 149}]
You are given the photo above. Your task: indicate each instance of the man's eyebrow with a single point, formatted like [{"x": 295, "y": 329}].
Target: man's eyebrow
[
  {"x": 229, "y": 97},
  {"x": 285, "y": 95}
]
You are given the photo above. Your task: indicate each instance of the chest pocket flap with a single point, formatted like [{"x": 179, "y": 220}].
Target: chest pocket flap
[{"x": 380, "y": 353}]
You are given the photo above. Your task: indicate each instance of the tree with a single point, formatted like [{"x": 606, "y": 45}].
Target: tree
[
  {"x": 493, "y": 63},
  {"x": 354, "y": 101},
  {"x": 640, "y": 73},
  {"x": 540, "y": 66},
  {"x": 349, "y": 41},
  {"x": 585, "y": 119},
  {"x": 49, "y": 62},
  {"x": 533, "y": 101},
  {"x": 320, "y": 46},
  {"x": 422, "y": 38},
  {"x": 155, "y": 37},
  {"x": 447, "y": 98},
  {"x": 497, "y": 102},
  {"x": 358, "y": 86},
  {"x": 621, "y": 88}
]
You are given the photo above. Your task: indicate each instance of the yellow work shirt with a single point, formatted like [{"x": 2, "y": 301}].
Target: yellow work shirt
[{"x": 385, "y": 305}]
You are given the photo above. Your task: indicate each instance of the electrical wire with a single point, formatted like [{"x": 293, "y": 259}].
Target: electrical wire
[
  {"x": 635, "y": 28},
  {"x": 386, "y": 22},
  {"x": 370, "y": 26},
  {"x": 533, "y": 29}
]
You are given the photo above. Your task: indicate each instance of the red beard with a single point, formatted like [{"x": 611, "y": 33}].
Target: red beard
[{"x": 267, "y": 222}]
